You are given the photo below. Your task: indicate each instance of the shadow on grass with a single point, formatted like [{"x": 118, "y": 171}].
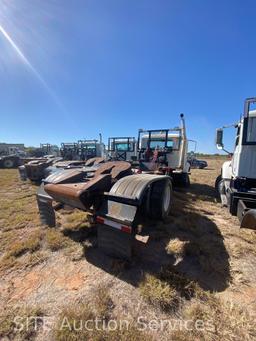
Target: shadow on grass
[
  {"x": 204, "y": 258},
  {"x": 202, "y": 191}
]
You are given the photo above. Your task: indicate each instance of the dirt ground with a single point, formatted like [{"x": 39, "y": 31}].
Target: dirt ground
[{"x": 197, "y": 265}]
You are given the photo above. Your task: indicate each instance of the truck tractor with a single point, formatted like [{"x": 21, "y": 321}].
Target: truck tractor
[
  {"x": 9, "y": 161},
  {"x": 165, "y": 151},
  {"x": 117, "y": 196},
  {"x": 236, "y": 185},
  {"x": 122, "y": 148},
  {"x": 10, "y": 157},
  {"x": 88, "y": 149},
  {"x": 69, "y": 151},
  {"x": 114, "y": 196},
  {"x": 49, "y": 149}
]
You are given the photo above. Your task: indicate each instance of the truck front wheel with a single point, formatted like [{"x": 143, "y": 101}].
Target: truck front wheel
[
  {"x": 8, "y": 163},
  {"x": 217, "y": 186}
]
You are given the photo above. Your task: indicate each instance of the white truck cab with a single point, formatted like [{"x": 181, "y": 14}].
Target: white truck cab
[
  {"x": 237, "y": 182},
  {"x": 122, "y": 148},
  {"x": 165, "y": 150}
]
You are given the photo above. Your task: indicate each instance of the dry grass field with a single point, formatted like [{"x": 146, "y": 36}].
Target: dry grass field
[{"x": 194, "y": 279}]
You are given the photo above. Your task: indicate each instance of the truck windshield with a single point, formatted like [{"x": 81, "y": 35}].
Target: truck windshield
[
  {"x": 158, "y": 141},
  {"x": 160, "y": 144},
  {"x": 90, "y": 146},
  {"x": 122, "y": 146}
]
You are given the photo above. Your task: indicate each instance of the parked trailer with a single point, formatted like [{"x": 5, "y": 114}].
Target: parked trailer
[{"x": 236, "y": 185}]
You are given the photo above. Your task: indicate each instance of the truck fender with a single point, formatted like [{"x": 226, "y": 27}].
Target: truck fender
[{"x": 226, "y": 170}]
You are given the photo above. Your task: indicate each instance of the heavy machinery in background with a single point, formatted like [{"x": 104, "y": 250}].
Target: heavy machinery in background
[
  {"x": 236, "y": 185},
  {"x": 34, "y": 169},
  {"x": 49, "y": 149},
  {"x": 69, "y": 151},
  {"x": 122, "y": 148},
  {"x": 9, "y": 161},
  {"x": 82, "y": 150},
  {"x": 10, "y": 155},
  {"x": 165, "y": 151},
  {"x": 117, "y": 195},
  {"x": 72, "y": 155},
  {"x": 88, "y": 149}
]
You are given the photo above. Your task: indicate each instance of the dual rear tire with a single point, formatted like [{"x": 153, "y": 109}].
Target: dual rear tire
[{"x": 160, "y": 199}]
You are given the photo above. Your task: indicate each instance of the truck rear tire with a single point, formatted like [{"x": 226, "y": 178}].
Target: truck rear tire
[
  {"x": 185, "y": 180},
  {"x": 160, "y": 199}
]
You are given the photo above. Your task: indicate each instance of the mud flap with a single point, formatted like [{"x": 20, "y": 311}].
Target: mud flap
[
  {"x": 116, "y": 234},
  {"x": 114, "y": 242},
  {"x": 46, "y": 210},
  {"x": 23, "y": 173}
]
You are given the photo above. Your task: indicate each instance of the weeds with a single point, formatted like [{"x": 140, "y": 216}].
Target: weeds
[
  {"x": 184, "y": 286},
  {"x": 81, "y": 323},
  {"x": 55, "y": 240},
  {"x": 176, "y": 247},
  {"x": 20, "y": 323},
  {"x": 159, "y": 293},
  {"x": 31, "y": 244},
  {"x": 221, "y": 320},
  {"x": 103, "y": 302}
]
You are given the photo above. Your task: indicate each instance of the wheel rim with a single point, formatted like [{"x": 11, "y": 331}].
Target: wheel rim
[{"x": 167, "y": 198}]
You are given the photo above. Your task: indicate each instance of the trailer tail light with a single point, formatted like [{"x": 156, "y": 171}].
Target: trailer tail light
[
  {"x": 123, "y": 228},
  {"x": 100, "y": 220}
]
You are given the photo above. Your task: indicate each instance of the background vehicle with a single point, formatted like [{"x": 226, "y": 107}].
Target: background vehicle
[
  {"x": 69, "y": 151},
  {"x": 165, "y": 151},
  {"x": 196, "y": 163},
  {"x": 82, "y": 150},
  {"x": 9, "y": 161},
  {"x": 88, "y": 149},
  {"x": 49, "y": 149},
  {"x": 236, "y": 184},
  {"x": 11, "y": 154},
  {"x": 122, "y": 148}
]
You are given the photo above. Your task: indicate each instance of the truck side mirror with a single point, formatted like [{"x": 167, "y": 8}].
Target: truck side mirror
[{"x": 219, "y": 138}]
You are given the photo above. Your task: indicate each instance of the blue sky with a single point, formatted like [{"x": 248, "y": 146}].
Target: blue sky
[{"x": 113, "y": 66}]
